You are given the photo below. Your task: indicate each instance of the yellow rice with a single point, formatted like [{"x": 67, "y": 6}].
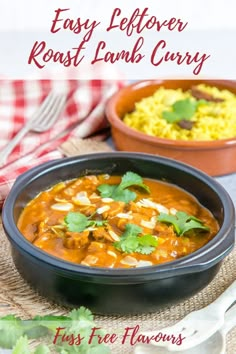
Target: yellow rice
[{"x": 212, "y": 121}]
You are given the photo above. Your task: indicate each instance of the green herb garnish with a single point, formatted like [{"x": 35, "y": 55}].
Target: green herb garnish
[
  {"x": 77, "y": 222},
  {"x": 131, "y": 241},
  {"x": 119, "y": 191},
  {"x": 182, "y": 222},
  {"x": 182, "y": 109},
  {"x": 22, "y": 347},
  {"x": 14, "y": 334}
]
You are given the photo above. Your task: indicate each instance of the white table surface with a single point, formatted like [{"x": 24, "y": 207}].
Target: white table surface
[{"x": 229, "y": 183}]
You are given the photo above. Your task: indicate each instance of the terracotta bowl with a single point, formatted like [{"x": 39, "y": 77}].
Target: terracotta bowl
[{"x": 213, "y": 157}]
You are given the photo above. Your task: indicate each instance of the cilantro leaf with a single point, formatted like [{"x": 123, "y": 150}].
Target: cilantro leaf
[
  {"x": 10, "y": 331},
  {"x": 131, "y": 241},
  {"x": 81, "y": 321},
  {"x": 106, "y": 190},
  {"x": 182, "y": 222},
  {"x": 147, "y": 244},
  {"x": 120, "y": 192},
  {"x": 42, "y": 349},
  {"x": 127, "y": 244},
  {"x": 124, "y": 195},
  {"x": 132, "y": 179},
  {"x": 182, "y": 109},
  {"x": 185, "y": 108},
  {"x": 33, "y": 331},
  {"x": 132, "y": 229},
  {"x": 191, "y": 224},
  {"x": 97, "y": 223},
  {"x": 77, "y": 321},
  {"x": 77, "y": 222},
  {"x": 49, "y": 322},
  {"x": 170, "y": 117},
  {"x": 81, "y": 314},
  {"x": 22, "y": 346}
]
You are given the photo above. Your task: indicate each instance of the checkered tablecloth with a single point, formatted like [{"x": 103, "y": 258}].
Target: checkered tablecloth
[{"x": 20, "y": 99}]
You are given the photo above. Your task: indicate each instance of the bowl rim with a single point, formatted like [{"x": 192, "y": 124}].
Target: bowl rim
[
  {"x": 195, "y": 262},
  {"x": 117, "y": 122}
]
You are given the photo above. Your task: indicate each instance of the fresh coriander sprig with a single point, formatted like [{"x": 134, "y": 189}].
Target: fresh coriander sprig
[
  {"x": 15, "y": 333},
  {"x": 182, "y": 222},
  {"x": 22, "y": 347},
  {"x": 77, "y": 222},
  {"x": 131, "y": 241},
  {"x": 182, "y": 110},
  {"x": 120, "y": 192}
]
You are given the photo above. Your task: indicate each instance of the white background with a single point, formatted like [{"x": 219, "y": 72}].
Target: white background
[{"x": 211, "y": 29}]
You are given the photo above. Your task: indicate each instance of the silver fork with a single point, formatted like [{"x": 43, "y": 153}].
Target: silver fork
[
  {"x": 43, "y": 118},
  {"x": 199, "y": 325}
]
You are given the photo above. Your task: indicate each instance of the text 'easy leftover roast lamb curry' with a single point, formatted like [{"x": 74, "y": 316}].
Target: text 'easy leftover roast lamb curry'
[{"x": 117, "y": 221}]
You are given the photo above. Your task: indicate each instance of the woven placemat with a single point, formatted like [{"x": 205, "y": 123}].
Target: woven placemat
[{"x": 17, "y": 297}]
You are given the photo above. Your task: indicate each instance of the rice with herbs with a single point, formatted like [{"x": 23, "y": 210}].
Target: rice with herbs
[{"x": 211, "y": 121}]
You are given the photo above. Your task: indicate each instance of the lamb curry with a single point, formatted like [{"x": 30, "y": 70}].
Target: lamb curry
[{"x": 117, "y": 221}]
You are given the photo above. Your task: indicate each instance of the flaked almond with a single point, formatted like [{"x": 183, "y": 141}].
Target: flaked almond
[
  {"x": 148, "y": 224},
  {"x": 106, "y": 176},
  {"x": 92, "y": 178},
  {"x": 62, "y": 206},
  {"x": 107, "y": 200},
  {"x": 175, "y": 243},
  {"x": 129, "y": 260},
  {"x": 112, "y": 254},
  {"x": 69, "y": 191},
  {"x": 113, "y": 235},
  {"x": 90, "y": 259},
  {"x": 102, "y": 209},
  {"x": 125, "y": 216},
  {"x": 173, "y": 211},
  {"x": 174, "y": 254},
  {"x": 77, "y": 182},
  {"x": 60, "y": 200},
  {"x": 162, "y": 253},
  {"x": 144, "y": 264},
  {"x": 111, "y": 265},
  {"x": 82, "y": 194},
  {"x": 91, "y": 228},
  {"x": 94, "y": 196},
  {"x": 96, "y": 246},
  {"x": 85, "y": 264},
  {"x": 147, "y": 203},
  {"x": 153, "y": 219},
  {"x": 81, "y": 198}
]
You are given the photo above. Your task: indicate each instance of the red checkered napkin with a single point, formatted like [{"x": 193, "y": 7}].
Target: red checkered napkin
[{"x": 19, "y": 100}]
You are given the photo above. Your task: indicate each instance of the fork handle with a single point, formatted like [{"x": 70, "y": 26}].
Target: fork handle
[
  {"x": 230, "y": 321},
  {"x": 12, "y": 144},
  {"x": 223, "y": 302}
]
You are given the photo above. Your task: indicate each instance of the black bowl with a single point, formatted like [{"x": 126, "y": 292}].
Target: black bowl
[{"x": 120, "y": 291}]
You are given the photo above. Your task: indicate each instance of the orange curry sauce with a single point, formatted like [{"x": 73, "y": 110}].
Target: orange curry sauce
[{"x": 42, "y": 223}]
